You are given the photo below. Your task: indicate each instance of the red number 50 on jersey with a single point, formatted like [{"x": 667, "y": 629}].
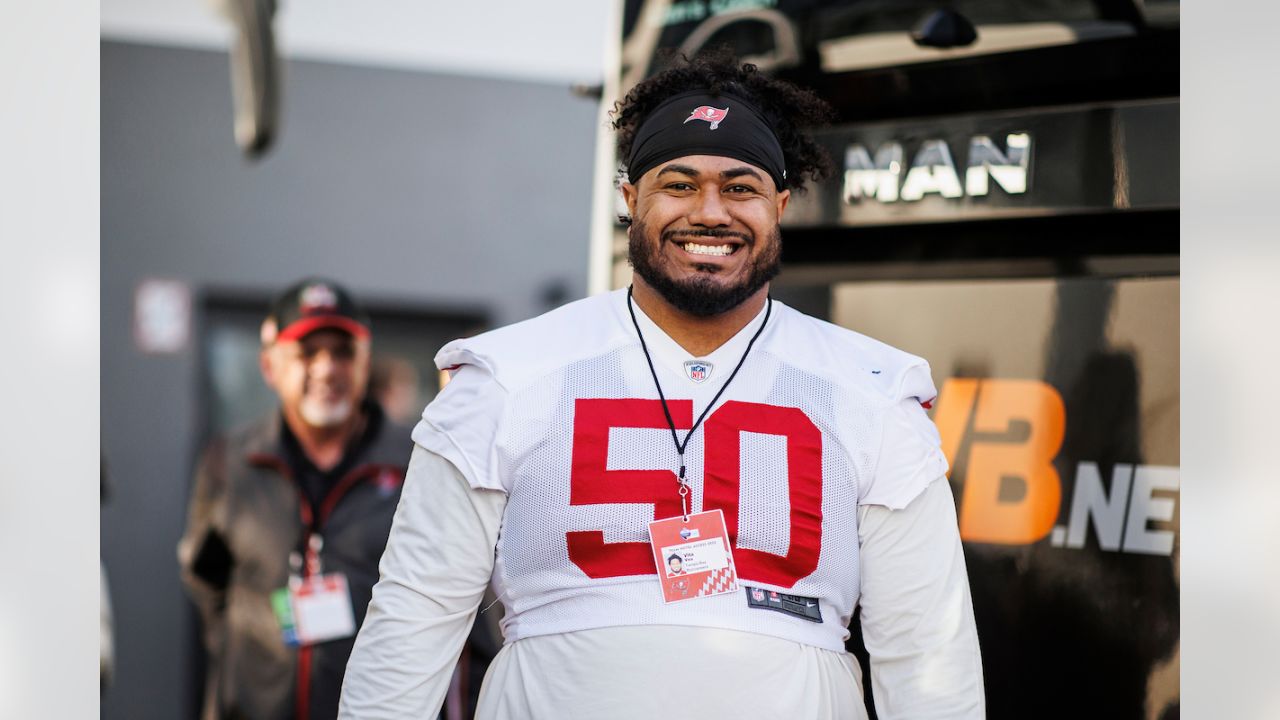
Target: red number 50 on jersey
[{"x": 590, "y": 483}]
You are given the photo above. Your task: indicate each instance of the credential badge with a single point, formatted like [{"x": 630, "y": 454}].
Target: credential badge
[{"x": 698, "y": 370}]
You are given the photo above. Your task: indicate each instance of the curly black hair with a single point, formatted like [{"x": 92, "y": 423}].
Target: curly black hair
[{"x": 788, "y": 108}]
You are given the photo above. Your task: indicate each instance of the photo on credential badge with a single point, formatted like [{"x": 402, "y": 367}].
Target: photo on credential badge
[{"x": 675, "y": 562}]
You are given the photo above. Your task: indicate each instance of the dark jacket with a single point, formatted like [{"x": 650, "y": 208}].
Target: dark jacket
[{"x": 247, "y": 515}]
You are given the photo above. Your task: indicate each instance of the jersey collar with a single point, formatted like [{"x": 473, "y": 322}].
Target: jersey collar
[{"x": 667, "y": 353}]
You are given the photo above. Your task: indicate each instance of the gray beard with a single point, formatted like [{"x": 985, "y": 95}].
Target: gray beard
[
  {"x": 325, "y": 415},
  {"x": 701, "y": 296}
]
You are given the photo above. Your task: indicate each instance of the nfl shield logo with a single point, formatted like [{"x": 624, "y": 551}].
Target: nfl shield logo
[
  {"x": 698, "y": 370},
  {"x": 757, "y": 594}
]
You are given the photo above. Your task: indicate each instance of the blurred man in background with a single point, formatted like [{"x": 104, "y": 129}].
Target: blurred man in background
[{"x": 289, "y": 516}]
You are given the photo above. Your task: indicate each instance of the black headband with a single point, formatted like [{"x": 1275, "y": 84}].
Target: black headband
[{"x": 697, "y": 123}]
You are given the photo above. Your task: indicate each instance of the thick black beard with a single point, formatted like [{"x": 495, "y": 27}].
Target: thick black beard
[{"x": 700, "y": 295}]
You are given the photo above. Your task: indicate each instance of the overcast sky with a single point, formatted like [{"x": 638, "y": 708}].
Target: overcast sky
[{"x": 558, "y": 41}]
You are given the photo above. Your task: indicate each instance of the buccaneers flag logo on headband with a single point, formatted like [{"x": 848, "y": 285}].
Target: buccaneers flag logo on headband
[{"x": 708, "y": 113}]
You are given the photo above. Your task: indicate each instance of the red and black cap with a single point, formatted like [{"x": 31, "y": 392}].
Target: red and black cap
[{"x": 317, "y": 304}]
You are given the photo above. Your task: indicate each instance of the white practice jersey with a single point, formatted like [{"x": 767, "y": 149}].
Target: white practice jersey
[{"x": 561, "y": 413}]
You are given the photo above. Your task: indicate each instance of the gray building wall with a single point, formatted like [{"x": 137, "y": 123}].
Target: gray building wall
[{"x": 417, "y": 189}]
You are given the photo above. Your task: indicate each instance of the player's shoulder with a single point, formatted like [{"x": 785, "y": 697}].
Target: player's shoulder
[
  {"x": 849, "y": 358},
  {"x": 519, "y": 353}
]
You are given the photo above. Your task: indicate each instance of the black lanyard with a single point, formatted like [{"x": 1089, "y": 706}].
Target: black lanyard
[{"x": 675, "y": 437}]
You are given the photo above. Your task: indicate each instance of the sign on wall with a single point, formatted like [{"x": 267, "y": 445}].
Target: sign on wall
[{"x": 162, "y": 316}]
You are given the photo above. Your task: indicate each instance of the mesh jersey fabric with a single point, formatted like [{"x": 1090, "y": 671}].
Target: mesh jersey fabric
[
  {"x": 917, "y": 621},
  {"x": 560, "y": 412}
]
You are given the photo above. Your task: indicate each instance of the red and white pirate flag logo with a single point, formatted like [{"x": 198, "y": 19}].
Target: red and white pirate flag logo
[{"x": 709, "y": 114}]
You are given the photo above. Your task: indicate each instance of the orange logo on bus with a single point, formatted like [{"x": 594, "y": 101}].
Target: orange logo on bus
[{"x": 1015, "y": 431}]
